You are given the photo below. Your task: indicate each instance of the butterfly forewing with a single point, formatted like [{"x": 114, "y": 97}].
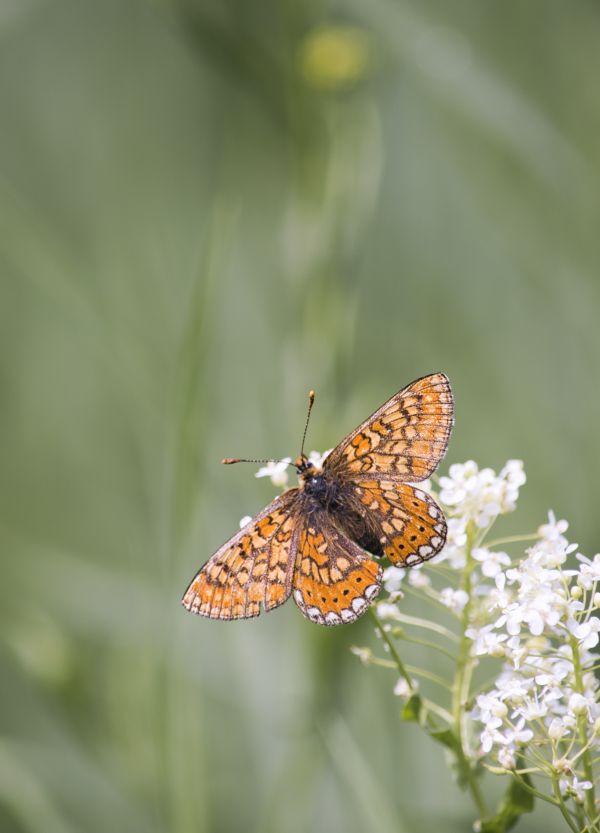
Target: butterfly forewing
[
  {"x": 335, "y": 580},
  {"x": 254, "y": 569},
  {"x": 404, "y": 439}
]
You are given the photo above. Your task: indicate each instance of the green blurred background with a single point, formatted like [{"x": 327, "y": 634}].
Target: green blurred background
[{"x": 206, "y": 209}]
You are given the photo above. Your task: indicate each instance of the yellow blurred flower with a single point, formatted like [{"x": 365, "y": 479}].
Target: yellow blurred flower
[{"x": 334, "y": 57}]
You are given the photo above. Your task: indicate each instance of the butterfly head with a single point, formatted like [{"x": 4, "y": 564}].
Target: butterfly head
[{"x": 304, "y": 467}]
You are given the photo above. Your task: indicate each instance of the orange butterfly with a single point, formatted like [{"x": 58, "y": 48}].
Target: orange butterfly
[{"x": 316, "y": 541}]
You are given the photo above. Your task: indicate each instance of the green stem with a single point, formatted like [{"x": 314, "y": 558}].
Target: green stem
[
  {"x": 586, "y": 760},
  {"x": 462, "y": 681},
  {"x": 430, "y": 597},
  {"x": 561, "y": 805},
  {"x": 432, "y": 707},
  {"x": 417, "y": 622},
  {"x": 428, "y": 675},
  {"x": 537, "y": 793},
  {"x": 462, "y": 676},
  {"x": 392, "y": 649},
  {"x": 382, "y": 663},
  {"x": 427, "y": 644},
  {"x": 512, "y": 539}
]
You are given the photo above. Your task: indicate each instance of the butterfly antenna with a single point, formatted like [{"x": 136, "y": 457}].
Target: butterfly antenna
[
  {"x": 229, "y": 461},
  {"x": 311, "y": 400}
]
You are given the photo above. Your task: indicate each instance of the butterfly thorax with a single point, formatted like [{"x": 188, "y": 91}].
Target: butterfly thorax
[
  {"x": 325, "y": 492},
  {"x": 314, "y": 484}
]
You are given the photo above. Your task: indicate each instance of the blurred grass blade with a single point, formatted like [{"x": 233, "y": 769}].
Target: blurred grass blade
[{"x": 379, "y": 813}]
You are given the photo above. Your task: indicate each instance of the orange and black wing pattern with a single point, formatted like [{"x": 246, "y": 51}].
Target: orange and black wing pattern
[
  {"x": 253, "y": 570},
  {"x": 406, "y": 521},
  {"x": 404, "y": 440},
  {"x": 335, "y": 581},
  {"x": 310, "y": 540}
]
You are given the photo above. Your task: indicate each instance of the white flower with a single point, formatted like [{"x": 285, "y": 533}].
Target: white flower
[
  {"x": 486, "y": 641},
  {"x": 589, "y": 572},
  {"x": 491, "y": 562},
  {"x": 317, "y": 459},
  {"x": 507, "y": 757},
  {"x": 532, "y": 708},
  {"x": 498, "y": 597},
  {"x": 555, "y": 674},
  {"x": 578, "y": 788},
  {"x": 454, "y": 599},
  {"x": 392, "y": 578},
  {"x": 553, "y": 530},
  {"x": 456, "y": 541},
  {"x": 277, "y": 471},
  {"x": 245, "y": 520},
  {"x": 385, "y": 610},
  {"x": 517, "y": 734},
  {"x": 575, "y": 788},
  {"x": 488, "y": 738},
  {"x": 585, "y": 632},
  {"x": 461, "y": 481},
  {"x": 513, "y": 687},
  {"x": 365, "y": 655},
  {"x": 557, "y": 729},
  {"x": 418, "y": 578},
  {"x": 578, "y": 704},
  {"x": 402, "y": 688},
  {"x": 491, "y": 709}
]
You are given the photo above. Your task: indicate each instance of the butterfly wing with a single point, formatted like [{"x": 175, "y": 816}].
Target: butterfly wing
[
  {"x": 335, "y": 581},
  {"x": 404, "y": 440},
  {"x": 407, "y": 524},
  {"x": 252, "y": 569}
]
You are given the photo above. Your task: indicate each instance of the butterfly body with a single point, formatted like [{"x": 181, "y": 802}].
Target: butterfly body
[
  {"x": 317, "y": 488},
  {"x": 316, "y": 541}
]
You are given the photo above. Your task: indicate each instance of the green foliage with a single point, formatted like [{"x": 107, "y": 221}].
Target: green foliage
[
  {"x": 516, "y": 801},
  {"x": 412, "y": 709}
]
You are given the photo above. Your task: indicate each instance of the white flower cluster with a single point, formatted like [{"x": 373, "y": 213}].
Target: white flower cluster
[
  {"x": 542, "y": 618},
  {"x": 539, "y": 615},
  {"x": 481, "y": 494},
  {"x": 476, "y": 496}
]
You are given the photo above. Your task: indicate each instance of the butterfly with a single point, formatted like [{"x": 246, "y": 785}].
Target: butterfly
[{"x": 322, "y": 541}]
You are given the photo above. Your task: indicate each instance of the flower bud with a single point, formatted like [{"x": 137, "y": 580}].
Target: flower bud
[
  {"x": 499, "y": 709},
  {"x": 556, "y": 729},
  {"x": 562, "y": 765},
  {"x": 578, "y": 704},
  {"x": 506, "y": 757}
]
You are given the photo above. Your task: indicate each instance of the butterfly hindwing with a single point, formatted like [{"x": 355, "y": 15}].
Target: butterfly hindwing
[
  {"x": 404, "y": 440},
  {"x": 335, "y": 581},
  {"x": 253, "y": 569},
  {"x": 405, "y": 520}
]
